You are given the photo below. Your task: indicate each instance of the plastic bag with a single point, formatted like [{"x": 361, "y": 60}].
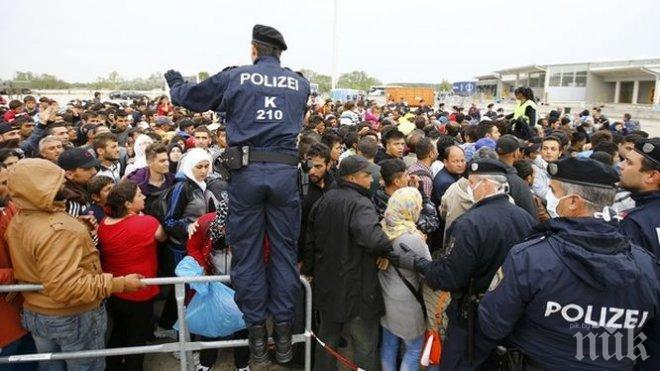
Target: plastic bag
[{"x": 212, "y": 312}]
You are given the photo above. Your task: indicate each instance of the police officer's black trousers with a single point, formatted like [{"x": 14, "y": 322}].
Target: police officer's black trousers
[{"x": 264, "y": 200}]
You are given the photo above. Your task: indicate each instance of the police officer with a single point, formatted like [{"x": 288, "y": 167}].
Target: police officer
[
  {"x": 478, "y": 242},
  {"x": 264, "y": 105},
  {"x": 578, "y": 294},
  {"x": 640, "y": 174}
]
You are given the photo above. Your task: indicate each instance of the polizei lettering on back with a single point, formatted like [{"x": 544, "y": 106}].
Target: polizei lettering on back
[
  {"x": 607, "y": 317},
  {"x": 258, "y": 79}
]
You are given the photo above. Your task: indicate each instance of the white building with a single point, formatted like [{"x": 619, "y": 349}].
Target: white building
[{"x": 627, "y": 82}]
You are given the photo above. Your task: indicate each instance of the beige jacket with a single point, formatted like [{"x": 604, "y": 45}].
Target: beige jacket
[{"x": 50, "y": 247}]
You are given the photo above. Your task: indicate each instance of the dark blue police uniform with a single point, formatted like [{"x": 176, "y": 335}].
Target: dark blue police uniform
[
  {"x": 264, "y": 105},
  {"x": 642, "y": 224},
  {"x": 571, "y": 291},
  {"x": 478, "y": 242}
]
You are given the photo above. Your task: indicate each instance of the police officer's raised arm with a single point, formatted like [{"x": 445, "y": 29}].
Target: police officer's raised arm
[
  {"x": 200, "y": 97},
  {"x": 505, "y": 301}
]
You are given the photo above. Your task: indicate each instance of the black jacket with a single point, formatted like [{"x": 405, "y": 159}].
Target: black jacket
[
  {"x": 520, "y": 191},
  {"x": 314, "y": 193},
  {"x": 346, "y": 238}
]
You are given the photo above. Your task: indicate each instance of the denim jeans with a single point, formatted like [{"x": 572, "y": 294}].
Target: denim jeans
[
  {"x": 364, "y": 338},
  {"x": 24, "y": 345},
  {"x": 389, "y": 348},
  {"x": 54, "y": 334}
]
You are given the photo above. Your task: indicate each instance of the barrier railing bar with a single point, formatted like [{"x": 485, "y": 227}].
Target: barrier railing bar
[{"x": 184, "y": 346}]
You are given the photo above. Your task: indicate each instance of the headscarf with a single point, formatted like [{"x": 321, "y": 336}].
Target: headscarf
[
  {"x": 173, "y": 164},
  {"x": 191, "y": 159},
  {"x": 402, "y": 213},
  {"x": 139, "y": 148}
]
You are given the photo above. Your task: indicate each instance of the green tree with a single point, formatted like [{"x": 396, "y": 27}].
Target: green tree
[
  {"x": 324, "y": 81},
  {"x": 357, "y": 80},
  {"x": 445, "y": 85},
  {"x": 203, "y": 75}
]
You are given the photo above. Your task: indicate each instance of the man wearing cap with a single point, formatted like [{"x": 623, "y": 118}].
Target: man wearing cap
[
  {"x": 345, "y": 236},
  {"x": 478, "y": 242},
  {"x": 265, "y": 105},
  {"x": 578, "y": 292},
  {"x": 507, "y": 148},
  {"x": 640, "y": 174},
  {"x": 79, "y": 167}
]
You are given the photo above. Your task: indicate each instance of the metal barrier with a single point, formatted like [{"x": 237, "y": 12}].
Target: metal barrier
[{"x": 184, "y": 346}]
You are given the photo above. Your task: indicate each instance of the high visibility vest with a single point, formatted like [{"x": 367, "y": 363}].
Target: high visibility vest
[{"x": 520, "y": 110}]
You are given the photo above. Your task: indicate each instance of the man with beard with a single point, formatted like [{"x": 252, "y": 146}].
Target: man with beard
[
  {"x": 121, "y": 127},
  {"x": 79, "y": 167},
  {"x": 106, "y": 148},
  {"x": 9, "y": 136},
  {"x": 320, "y": 180}
]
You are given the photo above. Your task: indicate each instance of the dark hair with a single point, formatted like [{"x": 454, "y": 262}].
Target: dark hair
[
  {"x": 97, "y": 183},
  {"x": 600, "y": 136},
  {"x": 101, "y": 140},
  {"x": 351, "y": 139},
  {"x": 443, "y": 143},
  {"x": 578, "y": 136},
  {"x": 524, "y": 168},
  {"x": 526, "y": 92},
  {"x": 393, "y": 134},
  {"x": 154, "y": 149},
  {"x": 315, "y": 120},
  {"x": 185, "y": 123},
  {"x": 603, "y": 157},
  {"x": 391, "y": 169},
  {"x": 264, "y": 50},
  {"x": 119, "y": 194},
  {"x": 606, "y": 146},
  {"x": 330, "y": 139},
  {"x": 368, "y": 147},
  {"x": 423, "y": 148},
  {"x": 202, "y": 129},
  {"x": 15, "y": 104},
  {"x": 552, "y": 138},
  {"x": 647, "y": 165},
  {"x": 5, "y": 153},
  {"x": 483, "y": 129},
  {"x": 319, "y": 150}
]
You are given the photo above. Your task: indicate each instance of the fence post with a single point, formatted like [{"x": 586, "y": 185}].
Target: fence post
[
  {"x": 308, "y": 324},
  {"x": 186, "y": 359}
]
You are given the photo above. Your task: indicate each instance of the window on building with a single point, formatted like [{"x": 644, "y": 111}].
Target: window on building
[
  {"x": 555, "y": 79},
  {"x": 568, "y": 79},
  {"x": 541, "y": 79},
  {"x": 581, "y": 78},
  {"x": 533, "y": 80}
]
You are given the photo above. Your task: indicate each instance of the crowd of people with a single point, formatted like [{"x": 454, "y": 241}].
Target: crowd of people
[{"x": 401, "y": 206}]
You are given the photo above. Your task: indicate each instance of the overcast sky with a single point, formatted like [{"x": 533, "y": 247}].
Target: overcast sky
[{"x": 395, "y": 41}]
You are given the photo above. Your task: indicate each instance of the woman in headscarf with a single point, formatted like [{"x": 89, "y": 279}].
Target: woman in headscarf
[
  {"x": 174, "y": 153},
  {"x": 404, "y": 316},
  {"x": 189, "y": 199},
  {"x": 139, "y": 148}
]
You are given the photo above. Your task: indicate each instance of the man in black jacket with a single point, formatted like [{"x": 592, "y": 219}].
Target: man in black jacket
[{"x": 346, "y": 238}]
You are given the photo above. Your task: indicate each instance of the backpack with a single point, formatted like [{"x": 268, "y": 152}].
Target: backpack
[
  {"x": 428, "y": 221},
  {"x": 161, "y": 204}
]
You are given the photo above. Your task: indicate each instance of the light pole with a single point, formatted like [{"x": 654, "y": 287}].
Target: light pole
[{"x": 334, "y": 45}]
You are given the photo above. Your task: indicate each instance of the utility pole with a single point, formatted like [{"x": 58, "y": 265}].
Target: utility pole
[{"x": 334, "y": 45}]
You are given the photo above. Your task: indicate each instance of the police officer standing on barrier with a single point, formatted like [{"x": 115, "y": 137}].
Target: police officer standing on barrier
[
  {"x": 640, "y": 174},
  {"x": 264, "y": 104},
  {"x": 577, "y": 295},
  {"x": 478, "y": 242}
]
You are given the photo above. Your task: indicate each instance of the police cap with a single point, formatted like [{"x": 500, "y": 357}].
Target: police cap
[
  {"x": 583, "y": 171},
  {"x": 650, "y": 149},
  {"x": 268, "y": 36},
  {"x": 487, "y": 166}
]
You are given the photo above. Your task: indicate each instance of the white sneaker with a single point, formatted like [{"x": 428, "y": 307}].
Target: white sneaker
[
  {"x": 204, "y": 368},
  {"x": 243, "y": 369},
  {"x": 162, "y": 333}
]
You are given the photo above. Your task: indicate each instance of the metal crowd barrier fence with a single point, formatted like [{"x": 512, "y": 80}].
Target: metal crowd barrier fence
[{"x": 184, "y": 346}]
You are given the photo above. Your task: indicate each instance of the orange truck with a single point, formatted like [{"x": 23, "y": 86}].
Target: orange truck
[{"x": 412, "y": 95}]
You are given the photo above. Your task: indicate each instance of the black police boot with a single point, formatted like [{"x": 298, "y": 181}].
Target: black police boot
[
  {"x": 282, "y": 337},
  {"x": 258, "y": 341}
]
